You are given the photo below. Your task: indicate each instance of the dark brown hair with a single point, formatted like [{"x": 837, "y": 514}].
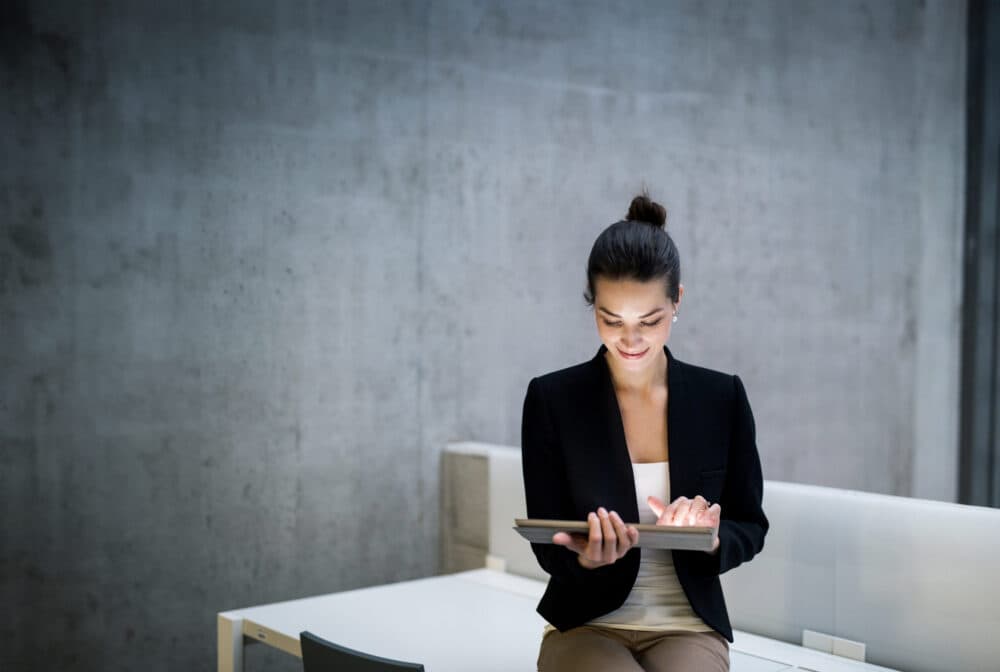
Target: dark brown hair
[{"x": 636, "y": 248}]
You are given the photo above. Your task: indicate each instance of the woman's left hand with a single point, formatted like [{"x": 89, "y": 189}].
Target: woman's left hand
[{"x": 684, "y": 512}]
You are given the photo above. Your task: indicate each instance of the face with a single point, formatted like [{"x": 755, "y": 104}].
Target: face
[{"x": 634, "y": 319}]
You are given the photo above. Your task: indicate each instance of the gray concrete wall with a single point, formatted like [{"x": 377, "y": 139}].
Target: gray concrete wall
[{"x": 259, "y": 261}]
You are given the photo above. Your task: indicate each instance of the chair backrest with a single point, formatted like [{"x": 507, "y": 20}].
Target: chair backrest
[{"x": 320, "y": 655}]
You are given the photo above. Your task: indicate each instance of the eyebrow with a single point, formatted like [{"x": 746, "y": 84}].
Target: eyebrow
[{"x": 641, "y": 317}]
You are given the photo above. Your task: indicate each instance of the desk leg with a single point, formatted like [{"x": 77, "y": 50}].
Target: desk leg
[{"x": 230, "y": 646}]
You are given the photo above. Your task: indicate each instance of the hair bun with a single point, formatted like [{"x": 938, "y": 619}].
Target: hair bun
[{"x": 642, "y": 209}]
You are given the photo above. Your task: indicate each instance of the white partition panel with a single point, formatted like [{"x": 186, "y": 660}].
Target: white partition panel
[{"x": 917, "y": 581}]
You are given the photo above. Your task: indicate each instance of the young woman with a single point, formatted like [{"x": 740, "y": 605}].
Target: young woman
[{"x": 634, "y": 435}]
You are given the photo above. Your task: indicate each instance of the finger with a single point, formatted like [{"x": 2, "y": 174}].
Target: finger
[
  {"x": 714, "y": 512},
  {"x": 681, "y": 511},
  {"x": 656, "y": 505},
  {"x": 698, "y": 506},
  {"x": 671, "y": 509},
  {"x": 706, "y": 513},
  {"x": 714, "y": 516},
  {"x": 574, "y": 542},
  {"x": 624, "y": 542},
  {"x": 621, "y": 530},
  {"x": 609, "y": 536},
  {"x": 633, "y": 534},
  {"x": 595, "y": 540}
]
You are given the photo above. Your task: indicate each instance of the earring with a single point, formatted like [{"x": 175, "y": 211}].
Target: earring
[{"x": 675, "y": 317}]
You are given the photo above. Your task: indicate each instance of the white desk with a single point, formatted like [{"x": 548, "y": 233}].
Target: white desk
[{"x": 481, "y": 620}]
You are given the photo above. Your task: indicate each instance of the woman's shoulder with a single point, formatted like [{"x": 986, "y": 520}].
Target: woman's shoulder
[
  {"x": 697, "y": 371},
  {"x": 573, "y": 380},
  {"x": 572, "y": 375},
  {"x": 713, "y": 381}
]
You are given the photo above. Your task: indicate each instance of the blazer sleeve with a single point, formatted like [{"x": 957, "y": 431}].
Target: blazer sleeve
[
  {"x": 546, "y": 490},
  {"x": 743, "y": 524}
]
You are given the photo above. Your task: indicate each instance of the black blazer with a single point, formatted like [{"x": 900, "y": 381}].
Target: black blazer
[{"x": 575, "y": 459}]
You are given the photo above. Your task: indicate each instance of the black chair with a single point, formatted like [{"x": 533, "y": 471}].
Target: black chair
[{"x": 319, "y": 655}]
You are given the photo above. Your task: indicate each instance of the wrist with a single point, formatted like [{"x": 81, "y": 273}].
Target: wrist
[{"x": 583, "y": 562}]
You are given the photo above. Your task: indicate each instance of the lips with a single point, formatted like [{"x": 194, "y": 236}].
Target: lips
[{"x": 632, "y": 355}]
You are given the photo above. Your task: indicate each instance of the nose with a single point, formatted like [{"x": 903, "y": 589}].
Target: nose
[{"x": 631, "y": 336}]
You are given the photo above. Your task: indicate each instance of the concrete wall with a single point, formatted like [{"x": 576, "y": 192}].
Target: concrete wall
[{"x": 259, "y": 261}]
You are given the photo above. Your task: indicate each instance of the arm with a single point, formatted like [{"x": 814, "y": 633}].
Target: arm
[
  {"x": 546, "y": 491},
  {"x": 743, "y": 525}
]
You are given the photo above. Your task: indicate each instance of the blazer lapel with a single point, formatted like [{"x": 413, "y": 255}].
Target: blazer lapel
[{"x": 680, "y": 440}]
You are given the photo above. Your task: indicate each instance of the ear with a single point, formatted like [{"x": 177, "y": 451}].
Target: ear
[{"x": 680, "y": 295}]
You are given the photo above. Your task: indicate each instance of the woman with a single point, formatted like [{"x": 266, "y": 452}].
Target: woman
[{"x": 634, "y": 435}]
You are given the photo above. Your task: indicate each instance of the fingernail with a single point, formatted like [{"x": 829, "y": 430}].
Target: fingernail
[{"x": 601, "y": 510}]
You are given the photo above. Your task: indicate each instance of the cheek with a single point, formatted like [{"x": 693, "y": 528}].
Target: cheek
[{"x": 660, "y": 334}]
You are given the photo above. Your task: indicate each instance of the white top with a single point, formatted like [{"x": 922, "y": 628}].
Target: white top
[{"x": 657, "y": 600}]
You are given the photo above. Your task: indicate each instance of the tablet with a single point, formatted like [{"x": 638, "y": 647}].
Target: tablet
[{"x": 540, "y": 531}]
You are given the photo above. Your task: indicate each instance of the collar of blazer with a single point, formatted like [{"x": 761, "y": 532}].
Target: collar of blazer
[{"x": 684, "y": 463}]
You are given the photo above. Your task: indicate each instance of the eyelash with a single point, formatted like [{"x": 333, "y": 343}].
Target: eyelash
[{"x": 641, "y": 324}]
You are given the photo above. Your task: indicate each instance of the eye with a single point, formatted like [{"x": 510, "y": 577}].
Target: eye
[{"x": 642, "y": 324}]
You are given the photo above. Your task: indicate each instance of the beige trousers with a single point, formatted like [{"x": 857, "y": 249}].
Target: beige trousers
[{"x": 594, "y": 648}]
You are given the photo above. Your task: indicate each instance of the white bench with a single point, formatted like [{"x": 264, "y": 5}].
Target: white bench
[{"x": 916, "y": 582}]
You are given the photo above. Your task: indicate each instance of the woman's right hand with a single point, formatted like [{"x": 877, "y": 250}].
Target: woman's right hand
[{"x": 608, "y": 540}]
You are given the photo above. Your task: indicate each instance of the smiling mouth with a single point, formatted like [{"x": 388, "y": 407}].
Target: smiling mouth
[{"x": 633, "y": 354}]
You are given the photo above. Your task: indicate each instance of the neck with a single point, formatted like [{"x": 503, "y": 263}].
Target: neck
[{"x": 643, "y": 381}]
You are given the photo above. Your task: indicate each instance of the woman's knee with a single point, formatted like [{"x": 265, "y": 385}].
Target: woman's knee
[
  {"x": 703, "y": 651},
  {"x": 585, "y": 649}
]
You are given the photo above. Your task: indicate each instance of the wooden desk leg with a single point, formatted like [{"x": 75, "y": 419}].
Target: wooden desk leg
[{"x": 230, "y": 646}]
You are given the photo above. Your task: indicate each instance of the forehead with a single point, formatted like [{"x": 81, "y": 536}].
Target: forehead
[{"x": 629, "y": 295}]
